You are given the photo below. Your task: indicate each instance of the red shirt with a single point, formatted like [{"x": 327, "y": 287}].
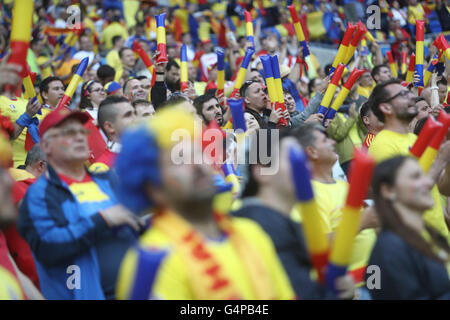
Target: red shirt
[
  {"x": 18, "y": 248},
  {"x": 96, "y": 143}
]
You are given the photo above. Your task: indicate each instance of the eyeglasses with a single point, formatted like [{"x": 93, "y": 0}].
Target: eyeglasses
[
  {"x": 402, "y": 93},
  {"x": 72, "y": 132}
]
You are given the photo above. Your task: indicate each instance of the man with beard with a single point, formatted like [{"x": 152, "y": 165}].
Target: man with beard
[
  {"x": 190, "y": 251},
  {"x": 208, "y": 107},
  {"x": 381, "y": 73},
  {"x": 395, "y": 106}
]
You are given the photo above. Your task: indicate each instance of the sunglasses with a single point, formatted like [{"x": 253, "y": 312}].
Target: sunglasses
[{"x": 402, "y": 93}]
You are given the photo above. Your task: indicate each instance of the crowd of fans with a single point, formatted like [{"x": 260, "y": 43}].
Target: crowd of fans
[{"x": 94, "y": 205}]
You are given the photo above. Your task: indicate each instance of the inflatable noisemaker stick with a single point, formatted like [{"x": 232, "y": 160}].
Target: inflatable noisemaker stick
[
  {"x": 344, "y": 93},
  {"x": 430, "y": 69},
  {"x": 420, "y": 25},
  {"x": 242, "y": 71},
  {"x": 427, "y": 158},
  {"x": 360, "y": 177},
  {"x": 411, "y": 68},
  {"x": 184, "y": 83},
  {"x": 30, "y": 93},
  {"x": 299, "y": 30},
  {"x": 137, "y": 48},
  {"x": 331, "y": 89},
  {"x": 220, "y": 72},
  {"x": 268, "y": 74},
  {"x": 370, "y": 37},
  {"x": 249, "y": 27},
  {"x": 424, "y": 138},
  {"x": 231, "y": 178},
  {"x": 404, "y": 66},
  {"x": 237, "y": 114},
  {"x": 76, "y": 79},
  {"x": 442, "y": 44},
  {"x": 20, "y": 33},
  {"x": 161, "y": 38},
  {"x": 392, "y": 64},
  {"x": 342, "y": 51},
  {"x": 279, "y": 104},
  {"x": 360, "y": 32},
  {"x": 315, "y": 234}
]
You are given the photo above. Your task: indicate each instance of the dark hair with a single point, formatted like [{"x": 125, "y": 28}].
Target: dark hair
[
  {"x": 255, "y": 146},
  {"x": 139, "y": 102},
  {"x": 115, "y": 39},
  {"x": 377, "y": 69},
  {"x": 121, "y": 51},
  {"x": 443, "y": 81},
  {"x": 379, "y": 94},
  {"x": 311, "y": 84},
  {"x": 172, "y": 63},
  {"x": 34, "y": 155},
  {"x": 125, "y": 84},
  {"x": 418, "y": 99},
  {"x": 200, "y": 100},
  {"x": 364, "y": 111},
  {"x": 305, "y": 134},
  {"x": 107, "y": 110},
  {"x": 141, "y": 78},
  {"x": 106, "y": 72},
  {"x": 44, "y": 86},
  {"x": 245, "y": 86},
  {"x": 85, "y": 102},
  {"x": 419, "y": 125},
  {"x": 172, "y": 101},
  {"x": 386, "y": 174}
]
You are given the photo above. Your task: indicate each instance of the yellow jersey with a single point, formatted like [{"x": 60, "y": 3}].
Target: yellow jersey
[
  {"x": 172, "y": 278},
  {"x": 9, "y": 287},
  {"x": 14, "y": 108},
  {"x": 388, "y": 144}
]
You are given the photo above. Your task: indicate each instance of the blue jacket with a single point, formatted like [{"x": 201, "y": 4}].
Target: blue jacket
[{"x": 62, "y": 232}]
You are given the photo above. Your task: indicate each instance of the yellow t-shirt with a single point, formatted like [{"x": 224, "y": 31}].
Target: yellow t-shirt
[
  {"x": 330, "y": 199},
  {"x": 14, "y": 109},
  {"x": 45, "y": 72},
  {"x": 172, "y": 279},
  {"x": 388, "y": 144},
  {"x": 9, "y": 287},
  {"x": 364, "y": 91},
  {"x": 114, "y": 29},
  {"x": 113, "y": 60}
]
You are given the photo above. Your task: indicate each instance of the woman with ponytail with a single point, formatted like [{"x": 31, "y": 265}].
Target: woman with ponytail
[{"x": 411, "y": 256}]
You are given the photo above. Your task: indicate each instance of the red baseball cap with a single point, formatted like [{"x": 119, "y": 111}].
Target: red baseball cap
[{"x": 59, "y": 115}]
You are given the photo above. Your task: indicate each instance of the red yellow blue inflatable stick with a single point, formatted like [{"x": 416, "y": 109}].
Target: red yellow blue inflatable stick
[
  {"x": 359, "y": 34},
  {"x": 279, "y": 104},
  {"x": 76, "y": 79},
  {"x": 268, "y": 75},
  {"x": 183, "y": 69},
  {"x": 137, "y": 48},
  {"x": 344, "y": 93},
  {"x": 242, "y": 71},
  {"x": 420, "y": 30},
  {"x": 329, "y": 93},
  {"x": 249, "y": 27},
  {"x": 442, "y": 44},
  {"x": 161, "y": 37},
  {"x": 427, "y": 158},
  {"x": 392, "y": 64},
  {"x": 299, "y": 30},
  {"x": 404, "y": 66},
  {"x": 411, "y": 68},
  {"x": 315, "y": 235},
  {"x": 220, "y": 71},
  {"x": 360, "y": 177},
  {"x": 342, "y": 51},
  {"x": 424, "y": 138},
  {"x": 22, "y": 16}
]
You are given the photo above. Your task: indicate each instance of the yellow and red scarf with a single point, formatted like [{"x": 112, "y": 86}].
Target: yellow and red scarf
[{"x": 207, "y": 277}]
